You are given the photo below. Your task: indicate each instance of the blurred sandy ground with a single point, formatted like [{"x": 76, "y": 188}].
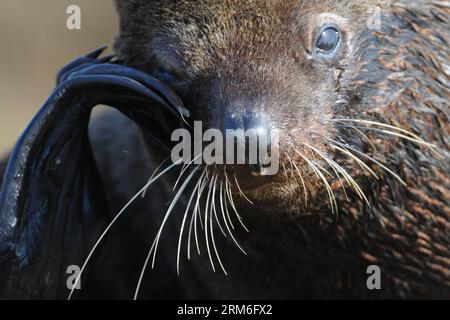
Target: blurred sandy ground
[{"x": 34, "y": 44}]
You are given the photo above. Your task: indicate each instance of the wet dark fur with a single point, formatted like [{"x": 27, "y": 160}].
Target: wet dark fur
[
  {"x": 2, "y": 169},
  {"x": 398, "y": 75}
]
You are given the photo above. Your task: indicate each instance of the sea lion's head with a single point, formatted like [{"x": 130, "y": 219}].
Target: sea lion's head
[{"x": 316, "y": 72}]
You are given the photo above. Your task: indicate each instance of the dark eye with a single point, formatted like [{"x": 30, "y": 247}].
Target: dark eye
[{"x": 328, "y": 40}]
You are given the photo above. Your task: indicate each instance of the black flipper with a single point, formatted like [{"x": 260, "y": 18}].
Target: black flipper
[{"x": 52, "y": 204}]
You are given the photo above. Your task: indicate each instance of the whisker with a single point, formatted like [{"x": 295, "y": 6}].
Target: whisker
[
  {"x": 399, "y": 135},
  {"x": 361, "y": 163},
  {"x": 373, "y": 160},
  {"x": 224, "y": 219},
  {"x": 240, "y": 190},
  {"x": 338, "y": 170},
  {"x": 184, "y": 220},
  {"x": 362, "y": 134},
  {"x": 347, "y": 177},
  {"x": 212, "y": 228},
  {"x": 291, "y": 163},
  {"x": 195, "y": 214},
  {"x": 233, "y": 206},
  {"x": 199, "y": 216},
  {"x": 154, "y": 246},
  {"x": 327, "y": 184},
  {"x": 102, "y": 236},
  {"x": 322, "y": 168},
  {"x": 231, "y": 201},
  {"x": 295, "y": 167},
  {"x": 171, "y": 207},
  {"x": 284, "y": 170},
  {"x": 301, "y": 179},
  {"x": 226, "y": 205},
  {"x": 407, "y": 135},
  {"x": 154, "y": 173},
  {"x": 214, "y": 206},
  {"x": 183, "y": 170},
  {"x": 320, "y": 175},
  {"x": 206, "y": 225},
  {"x": 189, "y": 239},
  {"x": 379, "y": 124}
]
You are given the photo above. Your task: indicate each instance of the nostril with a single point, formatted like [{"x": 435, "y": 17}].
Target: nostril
[
  {"x": 233, "y": 122},
  {"x": 248, "y": 148},
  {"x": 247, "y": 122},
  {"x": 240, "y": 121}
]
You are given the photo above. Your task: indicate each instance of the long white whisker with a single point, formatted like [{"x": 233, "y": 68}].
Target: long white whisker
[
  {"x": 373, "y": 160},
  {"x": 284, "y": 170},
  {"x": 407, "y": 135},
  {"x": 183, "y": 170},
  {"x": 399, "y": 135},
  {"x": 301, "y": 179},
  {"x": 153, "y": 175},
  {"x": 226, "y": 223},
  {"x": 184, "y": 220},
  {"x": 344, "y": 173},
  {"x": 233, "y": 206},
  {"x": 362, "y": 134},
  {"x": 197, "y": 213},
  {"x": 154, "y": 246},
  {"x": 227, "y": 183},
  {"x": 171, "y": 207},
  {"x": 189, "y": 239},
  {"x": 379, "y": 124},
  {"x": 320, "y": 175},
  {"x": 226, "y": 204},
  {"x": 193, "y": 217},
  {"x": 291, "y": 163},
  {"x": 212, "y": 229},
  {"x": 361, "y": 163},
  {"x": 214, "y": 206},
  {"x": 114, "y": 221},
  {"x": 320, "y": 168},
  {"x": 240, "y": 190},
  {"x": 206, "y": 225}
]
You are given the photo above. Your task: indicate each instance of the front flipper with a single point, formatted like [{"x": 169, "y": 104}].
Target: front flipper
[{"x": 52, "y": 205}]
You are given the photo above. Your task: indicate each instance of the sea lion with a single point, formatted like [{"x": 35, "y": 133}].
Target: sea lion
[
  {"x": 362, "y": 112},
  {"x": 341, "y": 92}
]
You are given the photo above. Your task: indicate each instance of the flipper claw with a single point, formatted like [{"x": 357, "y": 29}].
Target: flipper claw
[
  {"x": 52, "y": 202},
  {"x": 97, "y": 52}
]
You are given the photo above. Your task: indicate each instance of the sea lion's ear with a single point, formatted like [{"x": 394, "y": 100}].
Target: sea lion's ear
[{"x": 52, "y": 205}]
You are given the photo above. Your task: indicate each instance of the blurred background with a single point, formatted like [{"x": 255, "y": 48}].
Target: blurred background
[{"x": 34, "y": 44}]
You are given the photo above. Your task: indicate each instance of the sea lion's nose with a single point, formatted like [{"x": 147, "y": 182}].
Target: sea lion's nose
[
  {"x": 245, "y": 121},
  {"x": 252, "y": 123}
]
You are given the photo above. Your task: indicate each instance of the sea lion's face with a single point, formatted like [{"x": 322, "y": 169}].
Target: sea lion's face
[{"x": 281, "y": 64}]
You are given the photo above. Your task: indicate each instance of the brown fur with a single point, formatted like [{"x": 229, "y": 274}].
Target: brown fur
[{"x": 231, "y": 55}]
